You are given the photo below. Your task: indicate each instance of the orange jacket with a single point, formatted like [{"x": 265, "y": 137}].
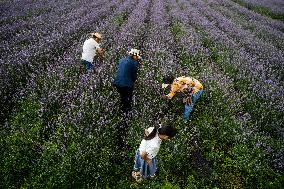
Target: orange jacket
[{"x": 182, "y": 83}]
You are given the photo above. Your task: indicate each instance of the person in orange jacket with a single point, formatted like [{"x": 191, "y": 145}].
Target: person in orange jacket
[{"x": 190, "y": 87}]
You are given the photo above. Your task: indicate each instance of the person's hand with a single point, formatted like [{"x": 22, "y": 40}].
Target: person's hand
[
  {"x": 187, "y": 100},
  {"x": 146, "y": 133},
  {"x": 101, "y": 53},
  {"x": 165, "y": 97},
  {"x": 144, "y": 156}
]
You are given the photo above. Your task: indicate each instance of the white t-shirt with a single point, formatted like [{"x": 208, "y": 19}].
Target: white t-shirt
[
  {"x": 89, "y": 49},
  {"x": 151, "y": 146}
]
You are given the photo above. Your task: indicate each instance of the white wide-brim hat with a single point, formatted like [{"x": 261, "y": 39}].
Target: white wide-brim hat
[{"x": 135, "y": 52}]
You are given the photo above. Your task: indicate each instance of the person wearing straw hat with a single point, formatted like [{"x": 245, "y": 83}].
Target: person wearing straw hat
[
  {"x": 91, "y": 48},
  {"x": 190, "y": 88},
  {"x": 125, "y": 78}
]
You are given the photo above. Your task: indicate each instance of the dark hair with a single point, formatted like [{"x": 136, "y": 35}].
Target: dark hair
[
  {"x": 163, "y": 130},
  {"x": 168, "y": 79}
]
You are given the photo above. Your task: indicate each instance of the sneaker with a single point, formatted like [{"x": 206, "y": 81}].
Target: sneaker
[{"x": 137, "y": 176}]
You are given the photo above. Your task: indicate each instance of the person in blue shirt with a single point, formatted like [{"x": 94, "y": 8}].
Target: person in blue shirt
[{"x": 125, "y": 78}]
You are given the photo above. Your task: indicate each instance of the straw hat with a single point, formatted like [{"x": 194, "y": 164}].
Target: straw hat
[
  {"x": 135, "y": 52},
  {"x": 97, "y": 35}
]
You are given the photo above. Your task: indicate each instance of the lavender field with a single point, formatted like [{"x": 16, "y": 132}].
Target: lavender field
[{"x": 60, "y": 126}]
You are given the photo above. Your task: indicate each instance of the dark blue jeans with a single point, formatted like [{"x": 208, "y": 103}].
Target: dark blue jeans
[
  {"x": 88, "y": 65},
  {"x": 145, "y": 168},
  {"x": 188, "y": 108}
]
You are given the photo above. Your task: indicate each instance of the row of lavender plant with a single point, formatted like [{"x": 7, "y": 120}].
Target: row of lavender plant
[
  {"x": 68, "y": 64},
  {"x": 266, "y": 115},
  {"x": 14, "y": 32},
  {"x": 40, "y": 35},
  {"x": 243, "y": 57},
  {"x": 211, "y": 72},
  {"x": 260, "y": 29},
  {"x": 17, "y": 10},
  {"x": 251, "y": 43},
  {"x": 191, "y": 44},
  {"x": 35, "y": 57},
  {"x": 197, "y": 60},
  {"x": 189, "y": 157},
  {"x": 276, "y": 6},
  {"x": 221, "y": 37},
  {"x": 254, "y": 46},
  {"x": 251, "y": 15}
]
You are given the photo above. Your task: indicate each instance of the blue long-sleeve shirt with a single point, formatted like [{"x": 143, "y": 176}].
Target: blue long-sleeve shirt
[{"x": 126, "y": 73}]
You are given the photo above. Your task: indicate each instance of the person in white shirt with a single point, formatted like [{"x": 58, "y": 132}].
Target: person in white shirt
[
  {"x": 145, "y": 158},
  {"x": 91, "y": 48}
]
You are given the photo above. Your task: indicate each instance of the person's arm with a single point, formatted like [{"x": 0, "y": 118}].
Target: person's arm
[
  {"x": 144, "y": 155},
  {"x": 172, "y": 93},
  {"x": 134, "y": 71},
  {"x": 99, "y": 50},
  {"x": 197, "y": 86},
  {"x": 146, "y": 132},
  {"x": 100, "y": 53}
]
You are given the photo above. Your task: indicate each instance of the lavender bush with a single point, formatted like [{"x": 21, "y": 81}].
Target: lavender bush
[
  {"x": 276, "y": 6},
  {"x": 263, "y": 29}
]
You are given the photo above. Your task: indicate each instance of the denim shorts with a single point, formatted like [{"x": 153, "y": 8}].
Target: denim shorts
[
  {"x": 145, "y": 168},
  {"x": 88, "y": 65}
]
